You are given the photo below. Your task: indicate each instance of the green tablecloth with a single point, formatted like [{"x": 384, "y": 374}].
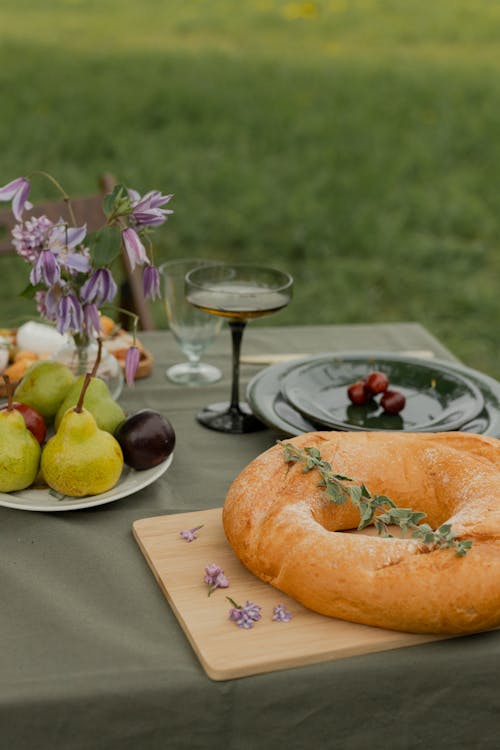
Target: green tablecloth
[{"x": 92, "y": 656}]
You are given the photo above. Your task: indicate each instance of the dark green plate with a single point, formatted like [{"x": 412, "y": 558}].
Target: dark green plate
[
  {"x": 436, "y": 398},
  {"x": 267, "y": 402}
]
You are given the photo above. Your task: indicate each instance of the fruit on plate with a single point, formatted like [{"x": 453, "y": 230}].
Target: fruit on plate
[
  {"x": 44, "y": 386},
  {"x": 98, "y": 401},
  {"x": 19, "y": 450},
  {"x": 146, "y": 438},
  {"x": 358, "y": 394},
  {"x": 393, "y": 402},
  {"x": 376, "y": 382},
  {"x": 33, "y": 419},
  {"x": 81, "y": 459}
]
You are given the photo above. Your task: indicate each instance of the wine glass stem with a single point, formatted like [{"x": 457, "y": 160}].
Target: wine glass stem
[{"x": 237, "y": 327}]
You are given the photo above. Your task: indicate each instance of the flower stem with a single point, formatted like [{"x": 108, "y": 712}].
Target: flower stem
[
  {"x": 97, "y": 362},
  {"x": 79, "y": 406},
  {"x": 135, "y": 319},
  {"x": 59, "y": 187}
]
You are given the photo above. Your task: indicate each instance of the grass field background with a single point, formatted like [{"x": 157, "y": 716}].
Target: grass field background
[{"x": 354, "y": 143}]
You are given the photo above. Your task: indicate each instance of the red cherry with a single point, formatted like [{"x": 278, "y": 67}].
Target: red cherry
[
  {"x": 376, "y": 382},
  {"x": 33, "y": 419},
  {"x": 393, "y": 402},
  {"x": 358, "y": 394}
]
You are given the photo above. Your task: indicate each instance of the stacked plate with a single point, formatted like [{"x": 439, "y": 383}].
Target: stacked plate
[{"x": 311, "y": 393}]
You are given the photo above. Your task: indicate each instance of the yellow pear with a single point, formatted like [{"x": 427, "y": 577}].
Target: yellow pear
[
  {"x": 44, "y": 386},
  {"x": 19, "y": 452},
  {"x": 98, "y": 401},
  {"x": 81, "y": 459}
]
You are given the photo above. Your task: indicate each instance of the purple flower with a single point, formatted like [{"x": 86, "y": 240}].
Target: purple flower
[
  {"x": 52, "y": 299},
  {"x": 136, "y": 252},
  {"x": 62, "y": 239},
  {"x": 190, "y": 534},
  {"x": 92, "y": 319},
  {"x": 151, "y": 282},
  {"x": 48, "y": 302},
  {"x": 100, "y": 287},
  {"x": 76, "y": 262},
  {"x": 69, "y": 287},
  {"x": 244, "y": 617},
  {"x": 281, "y": 614},
  {"x": 17, "y": 191},
  {"x": 147, "y": 211},
  {"x": 132, "y": 358},
  {"x": 214, "y": 576},
  {"x": 69, "y": 314},
  {"x": 45, "y": 269},
  {"x": 30, "y": 236}
]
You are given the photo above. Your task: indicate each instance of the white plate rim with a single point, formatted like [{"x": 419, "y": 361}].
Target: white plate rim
[{"x": 133, "y": 481}]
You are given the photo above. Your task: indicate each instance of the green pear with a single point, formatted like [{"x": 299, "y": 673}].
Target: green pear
[
  {"x": 44, "y": 386},
  {"x": 98, "y": 401},
  {"x": 19, "y": 452},
  {"x": 81, "y": 459}
]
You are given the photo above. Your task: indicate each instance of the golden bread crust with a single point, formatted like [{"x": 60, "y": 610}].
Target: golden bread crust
[{"x": 283, "y": 527}]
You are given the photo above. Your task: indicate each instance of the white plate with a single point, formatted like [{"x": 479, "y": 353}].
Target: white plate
[{"x": 130, "y": 481}]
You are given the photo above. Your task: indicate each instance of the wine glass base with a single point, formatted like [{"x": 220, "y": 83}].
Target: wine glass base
[
  {"x": 200, "y": 373},
  {"x": 224, "y": 418}
]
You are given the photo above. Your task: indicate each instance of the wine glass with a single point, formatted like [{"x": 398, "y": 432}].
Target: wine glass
[
  {"x": 237, "y": 292},
  {"x": 193, "y": 330}
]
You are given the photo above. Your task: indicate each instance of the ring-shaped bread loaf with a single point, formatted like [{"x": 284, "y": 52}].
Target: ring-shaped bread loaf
[{"x": 284, "y": 528}]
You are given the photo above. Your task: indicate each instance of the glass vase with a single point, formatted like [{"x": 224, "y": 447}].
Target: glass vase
[{"x": 79, "y": 353}]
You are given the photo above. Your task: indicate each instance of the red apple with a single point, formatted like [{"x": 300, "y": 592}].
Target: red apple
[{"x": 33, "y": 420}]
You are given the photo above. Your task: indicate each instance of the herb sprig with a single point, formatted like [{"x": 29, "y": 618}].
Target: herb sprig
[{"x": 379, "y": 509}]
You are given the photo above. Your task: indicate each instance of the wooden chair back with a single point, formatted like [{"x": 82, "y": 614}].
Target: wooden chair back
[{"x": 87, "y": 210}]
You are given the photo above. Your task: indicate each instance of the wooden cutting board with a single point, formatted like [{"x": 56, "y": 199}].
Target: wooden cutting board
[{"x": 225, "y": 650}]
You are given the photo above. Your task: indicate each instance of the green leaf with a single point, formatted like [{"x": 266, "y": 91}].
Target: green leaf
[
  {"x": 424, "y": 528},
  {"x": 384, "y": 501},
  {"x": 342, "y": 478},
  {"x": 365, "y": 491},
  {"x": 386, "y": 518},
  {"x": 336, "y": 493},
  {"x": 463, "y": 547},
  {"x": 313, "y": 452},
  {"x": 30, "y": 290},
  {"x": 113, "y": 199},
  {"x": 367, "y": 511},
  {"x": 354, "y": 493},
  {"x": 105, "y": 246},
  {"x": 444, "y": 530}
]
